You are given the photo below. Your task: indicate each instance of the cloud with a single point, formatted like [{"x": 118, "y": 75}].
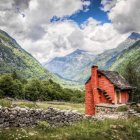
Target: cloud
[
  {"x": 45, "y": 40},
  {"x": 124, "y": 14},
  {"x": 107, "y": 5},
  {"x": 64, "y": 37},
  {"x": 29, "y": 16}
]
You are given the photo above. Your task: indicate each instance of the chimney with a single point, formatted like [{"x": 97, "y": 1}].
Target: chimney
[{"x": 94, "y": 81}]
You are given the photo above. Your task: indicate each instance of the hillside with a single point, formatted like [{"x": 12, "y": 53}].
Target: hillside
[
  {"x": 14, "y": 58},
  {"x": 131, "y": 55}
]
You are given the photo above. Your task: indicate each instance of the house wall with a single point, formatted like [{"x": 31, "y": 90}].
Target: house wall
[
  {"x": 106, "y": 85},
  {"x": 103, "y": 98},
  {"x": 89, "y": 100},
  {"x": 94, "y": 84},
  {"x": 124, "y": 97}
]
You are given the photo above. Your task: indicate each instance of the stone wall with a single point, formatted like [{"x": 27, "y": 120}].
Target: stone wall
[
  {"x": 105, "y": 109},
  {"x": 24, "y": 117}
]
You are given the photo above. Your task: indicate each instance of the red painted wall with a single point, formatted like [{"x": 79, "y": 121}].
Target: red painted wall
[
  {"x": 106, "y": 85},
  {"x": 124, "y": 97},
  {"x": 89, "y": 100},
  {"x": 94, "y": 84}
]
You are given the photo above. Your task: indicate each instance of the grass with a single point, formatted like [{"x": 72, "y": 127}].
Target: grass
[
  {"x": 122, "y": 108},
  {"x": 85, "y": 130},
  {"x": 44, "y": 105},
  {"x": 128, "y": 129},
  {"x": 5, "y": 103},
  {"x": 28, "y": 104}
]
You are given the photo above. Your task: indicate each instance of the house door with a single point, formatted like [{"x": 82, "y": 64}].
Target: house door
[{"x": 118, "y": 97}]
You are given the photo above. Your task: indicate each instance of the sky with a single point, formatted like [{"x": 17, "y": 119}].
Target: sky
[{"x": 50, "y": 28}]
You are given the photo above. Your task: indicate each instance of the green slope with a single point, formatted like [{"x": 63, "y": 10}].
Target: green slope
[
  {"x": 131, "y": 55},
  {"x": 14, "y": 58},
  {"x": 128, "y": 65}
]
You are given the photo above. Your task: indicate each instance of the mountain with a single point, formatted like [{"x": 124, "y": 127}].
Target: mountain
[
  {"x": 128, "y": 65},
  {"x": 70, "y": 65},
  {"x": 106, "y": 59},
  {"x": 14, "y": 58},
  {"x": 135, "y": 36},
  {"x": 131, "y": 56},
  {"x": 77, "y": 65}
]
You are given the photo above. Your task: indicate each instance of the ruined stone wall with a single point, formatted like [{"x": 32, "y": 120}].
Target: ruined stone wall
[{"x": 24, "y": 117}]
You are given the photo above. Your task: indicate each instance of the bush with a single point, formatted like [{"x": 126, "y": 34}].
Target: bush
[
  {"x": 44, "y": 125},
  {"x": 137, "y": 109},
  {"x": 10, "y": 87},
  {"x": 33, "y": 90},
  {"x": 122, "y": 108}
]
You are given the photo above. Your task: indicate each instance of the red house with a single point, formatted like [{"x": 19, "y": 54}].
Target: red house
[{"x": 106, "y": 87}]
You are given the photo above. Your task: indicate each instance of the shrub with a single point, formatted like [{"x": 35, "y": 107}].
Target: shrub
[
  {"x": 137, "y": 109},
  {"x": 122, "y": 108},
  {"x": 33, "y": 90},
  {"x": 44, "y": 125}
]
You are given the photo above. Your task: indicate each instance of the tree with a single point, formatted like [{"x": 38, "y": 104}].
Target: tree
[
  {"x": 132, "y": 75},
  {"x": 33, "y": 90},
  {"x": 10, "y": 87}
]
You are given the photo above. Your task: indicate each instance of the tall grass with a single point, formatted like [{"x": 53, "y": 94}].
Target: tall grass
[
  {"x": 5, "y": 103},
  {"x": 85, "y": 130}
]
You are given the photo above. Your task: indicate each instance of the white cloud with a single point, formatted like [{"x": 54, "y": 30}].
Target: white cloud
[
  {"x": 29, "y": 16},
  {"x": 64, "y": 37},
  {"x": 108, "y": 4},
  {"x": 45, "y": 40},
  {"x": 124, "y": 14}
]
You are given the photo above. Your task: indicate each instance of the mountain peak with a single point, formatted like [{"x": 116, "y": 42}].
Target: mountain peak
[
  {"x": 78, "y": 51},
  {"x": 134, "y": 36}
]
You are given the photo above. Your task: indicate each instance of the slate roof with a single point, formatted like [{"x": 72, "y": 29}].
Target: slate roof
[{"x": 116, "y": 79}]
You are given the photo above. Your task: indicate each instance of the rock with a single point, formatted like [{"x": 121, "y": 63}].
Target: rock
[
  {"x": 113, "y": 126},
  {"x": 24, "y": 117},
  {"x": 1, "y": 120}
]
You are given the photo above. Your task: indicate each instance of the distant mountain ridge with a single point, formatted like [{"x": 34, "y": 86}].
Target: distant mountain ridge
[
  {"x": 72, "y": 68},
  {"x": 135, "y": 36},
  {"x": 70, "y": 65}
]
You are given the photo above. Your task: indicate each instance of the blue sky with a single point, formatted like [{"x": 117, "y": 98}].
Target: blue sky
[{"x": 94, "y": 11}]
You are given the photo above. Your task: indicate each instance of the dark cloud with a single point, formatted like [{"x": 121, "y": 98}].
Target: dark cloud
[
  {"x": 23, "y": 4},
  {"x": 36, "y": 33}
]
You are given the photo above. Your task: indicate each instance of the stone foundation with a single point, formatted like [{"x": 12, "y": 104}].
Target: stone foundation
[
  {"x": 106, "y": 108},
  {"x": 24, "y": 117}
]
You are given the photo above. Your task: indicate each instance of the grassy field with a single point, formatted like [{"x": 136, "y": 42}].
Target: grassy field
[
  {"x": 128, "y": 129},
  {"x": 60, "y": 105},
  {"x": 44, "y": 105},
  {"x": 85, "y": 130}
]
